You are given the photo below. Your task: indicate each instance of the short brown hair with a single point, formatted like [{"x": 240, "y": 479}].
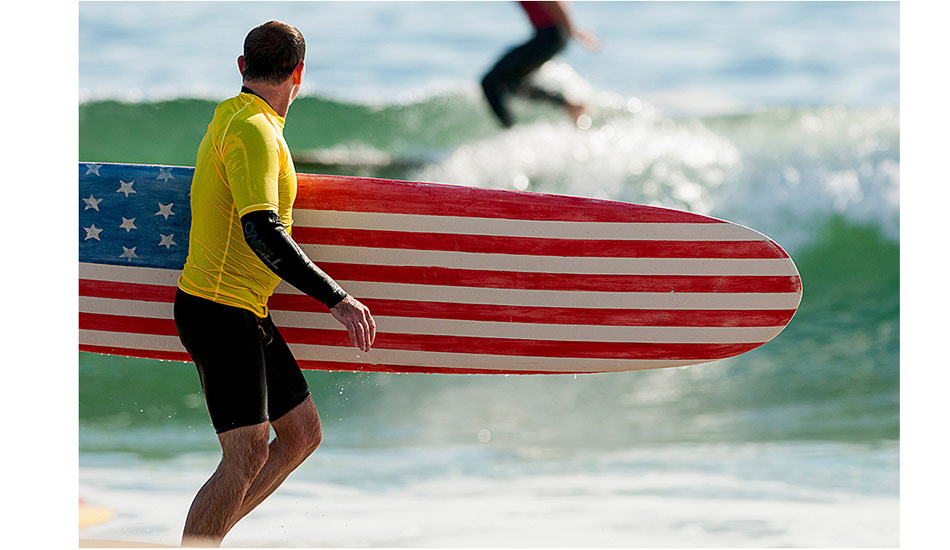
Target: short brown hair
[{"x": 272, "y": 51}]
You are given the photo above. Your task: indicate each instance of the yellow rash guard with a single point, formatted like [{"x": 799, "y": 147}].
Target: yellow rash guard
[{"x": 243, "y": 165}]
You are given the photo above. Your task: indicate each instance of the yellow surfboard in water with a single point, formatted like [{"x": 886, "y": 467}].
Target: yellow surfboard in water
[{"x": 93, "y": 515}]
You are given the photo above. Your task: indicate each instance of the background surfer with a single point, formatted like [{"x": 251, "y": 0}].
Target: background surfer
[
  {"x": 244, "y": 186},
  {"x": 553, "y": 28}
]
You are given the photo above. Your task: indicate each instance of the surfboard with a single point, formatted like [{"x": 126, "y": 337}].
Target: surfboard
[
  {"x": 459, "y": 279},
  {"x": 93, "y": 515}
]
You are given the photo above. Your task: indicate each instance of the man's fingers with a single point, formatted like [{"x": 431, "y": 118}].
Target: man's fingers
[
  {"x": 361, "y": 337},
  {"x": 371, "y": 326},
  {"x": 359, "y": 333}
]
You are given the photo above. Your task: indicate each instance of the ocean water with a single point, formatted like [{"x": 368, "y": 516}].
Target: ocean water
[{"x": 780, "y": 116}]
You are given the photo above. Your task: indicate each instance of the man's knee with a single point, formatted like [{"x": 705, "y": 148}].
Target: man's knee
[
  {"x": 315, "y": 439},
  {"x": 254, "y": 456},
  {"x": 497, "y": 82},
  {"x": 245, "y": 451},
  {"x": 303, "y": 437},
  {"x": 490, "y": 85},
  {"x": 300, "y": 429}
]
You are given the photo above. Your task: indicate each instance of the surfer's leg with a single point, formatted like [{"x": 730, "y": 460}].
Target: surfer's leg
[
  {"x": 552, "y": 41},
  {"x": 293, "y": 415},
  {"x": 298, "y": 436},
  {"x": 509, "y": 72},
  {"x": 227, "y": 346},
  {"x": 537, "y": 93},
  {"x": 244, "y": 452},
  {"x": 496, "y": 90}
]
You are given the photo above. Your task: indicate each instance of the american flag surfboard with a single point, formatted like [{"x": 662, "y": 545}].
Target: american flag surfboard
[{"x": 459, "y": 279}]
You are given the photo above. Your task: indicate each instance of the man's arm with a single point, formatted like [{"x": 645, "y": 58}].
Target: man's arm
[
  {"x": 559, "y": 12},
  {"x": 273, "y": 245},
  {"x": 267, "y": 237}
]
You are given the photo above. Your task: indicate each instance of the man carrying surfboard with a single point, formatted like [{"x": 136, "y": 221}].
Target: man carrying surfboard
[
  {"x": 553, "y": 28},
  {"x": 240, "y": 248}
]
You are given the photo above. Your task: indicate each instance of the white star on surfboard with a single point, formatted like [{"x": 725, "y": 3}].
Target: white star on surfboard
[
  {"x": 165, "y": 210},
  {"x": 125, "y": 187},
  {"x": 167, "y": 241},
  {"x": 128, "y": 224},
  {"x": 93, "y": 169},
  {"x": 165, "y": 174},
  {"x": 92, "y": 202},
  {"x": 92, "y": 232},
  {"x": 128, "y": 253}
]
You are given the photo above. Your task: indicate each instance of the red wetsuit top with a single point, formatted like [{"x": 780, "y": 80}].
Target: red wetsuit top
[{"x": 539, "y": 16}]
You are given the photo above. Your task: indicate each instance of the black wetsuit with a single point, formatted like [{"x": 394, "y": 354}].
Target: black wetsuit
[{"x": 508, "y": 75}]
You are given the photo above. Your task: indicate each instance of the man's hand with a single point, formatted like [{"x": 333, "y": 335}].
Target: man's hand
[
  {"x": 358, "y": 322},
  {"x": 587, "y": 39}
]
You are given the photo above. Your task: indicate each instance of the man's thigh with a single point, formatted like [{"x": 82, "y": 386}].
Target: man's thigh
[
  {"x": 227, "y": 348},
  {"x": 286, "y": 386}
]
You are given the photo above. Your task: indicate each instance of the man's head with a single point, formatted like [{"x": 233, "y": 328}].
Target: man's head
[{"x": 272, "y": 52}]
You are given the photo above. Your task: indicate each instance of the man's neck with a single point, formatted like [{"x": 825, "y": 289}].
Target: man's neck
[{"x": 278, "y": 97}]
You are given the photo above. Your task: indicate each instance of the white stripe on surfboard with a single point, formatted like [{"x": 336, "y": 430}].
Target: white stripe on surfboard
[
  {"x": 129, "y": 274},
  {"x": 579, "y": 265},
  {"x": 150, "y": 342},
  {"x": 476, "y": 329},
  {"x": 478, "y": 361},
  {"x": 147, "y": 342},
  {"x": 491, "y": 296},
  {"x": 500, "y": 227}
]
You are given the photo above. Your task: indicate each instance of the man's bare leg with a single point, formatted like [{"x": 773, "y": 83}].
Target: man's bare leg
[
  {"x": 575, "y": 111},
  {"x": 244, "y": 453},
  {"x": 215, "y": 511},
  {"x": 298, "y": 434}
]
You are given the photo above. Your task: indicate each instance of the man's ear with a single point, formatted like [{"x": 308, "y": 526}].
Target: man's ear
[
  {"x": 241, "y": 64},
  {"x": 298, "y": 74}
]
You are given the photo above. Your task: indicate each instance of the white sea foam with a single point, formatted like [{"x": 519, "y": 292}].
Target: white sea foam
[
  {"x": 781, "y": 171},
  {"x": 583, "y": 510},
  {"x": 585, "y": 507}
]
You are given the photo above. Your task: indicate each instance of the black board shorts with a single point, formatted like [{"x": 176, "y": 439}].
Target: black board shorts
[{"x": 248, "y": 373}]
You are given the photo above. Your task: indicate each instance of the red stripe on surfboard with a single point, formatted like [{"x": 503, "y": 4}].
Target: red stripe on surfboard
[
  {"x": 354, "y": 194},
  {"x": 451, "y": 344},
  {"x": 127, "y": 291},
  {"x": 127, "y": 324},
  {"x": 567, "y": 282},
  {"x": 522, "y": 348},
  {"x": 479, "y": 312},
  {"x": 534, "y": 246},
  {"x": 566, "y": 316}
]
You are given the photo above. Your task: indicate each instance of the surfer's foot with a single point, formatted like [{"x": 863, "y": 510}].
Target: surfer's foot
[
  {"x": 578, "y": 113},
  {"x": 575, "y": 110}
]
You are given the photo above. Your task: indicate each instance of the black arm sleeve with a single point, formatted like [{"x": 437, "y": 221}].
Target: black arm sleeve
[{"x": 273, "y": 245}]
